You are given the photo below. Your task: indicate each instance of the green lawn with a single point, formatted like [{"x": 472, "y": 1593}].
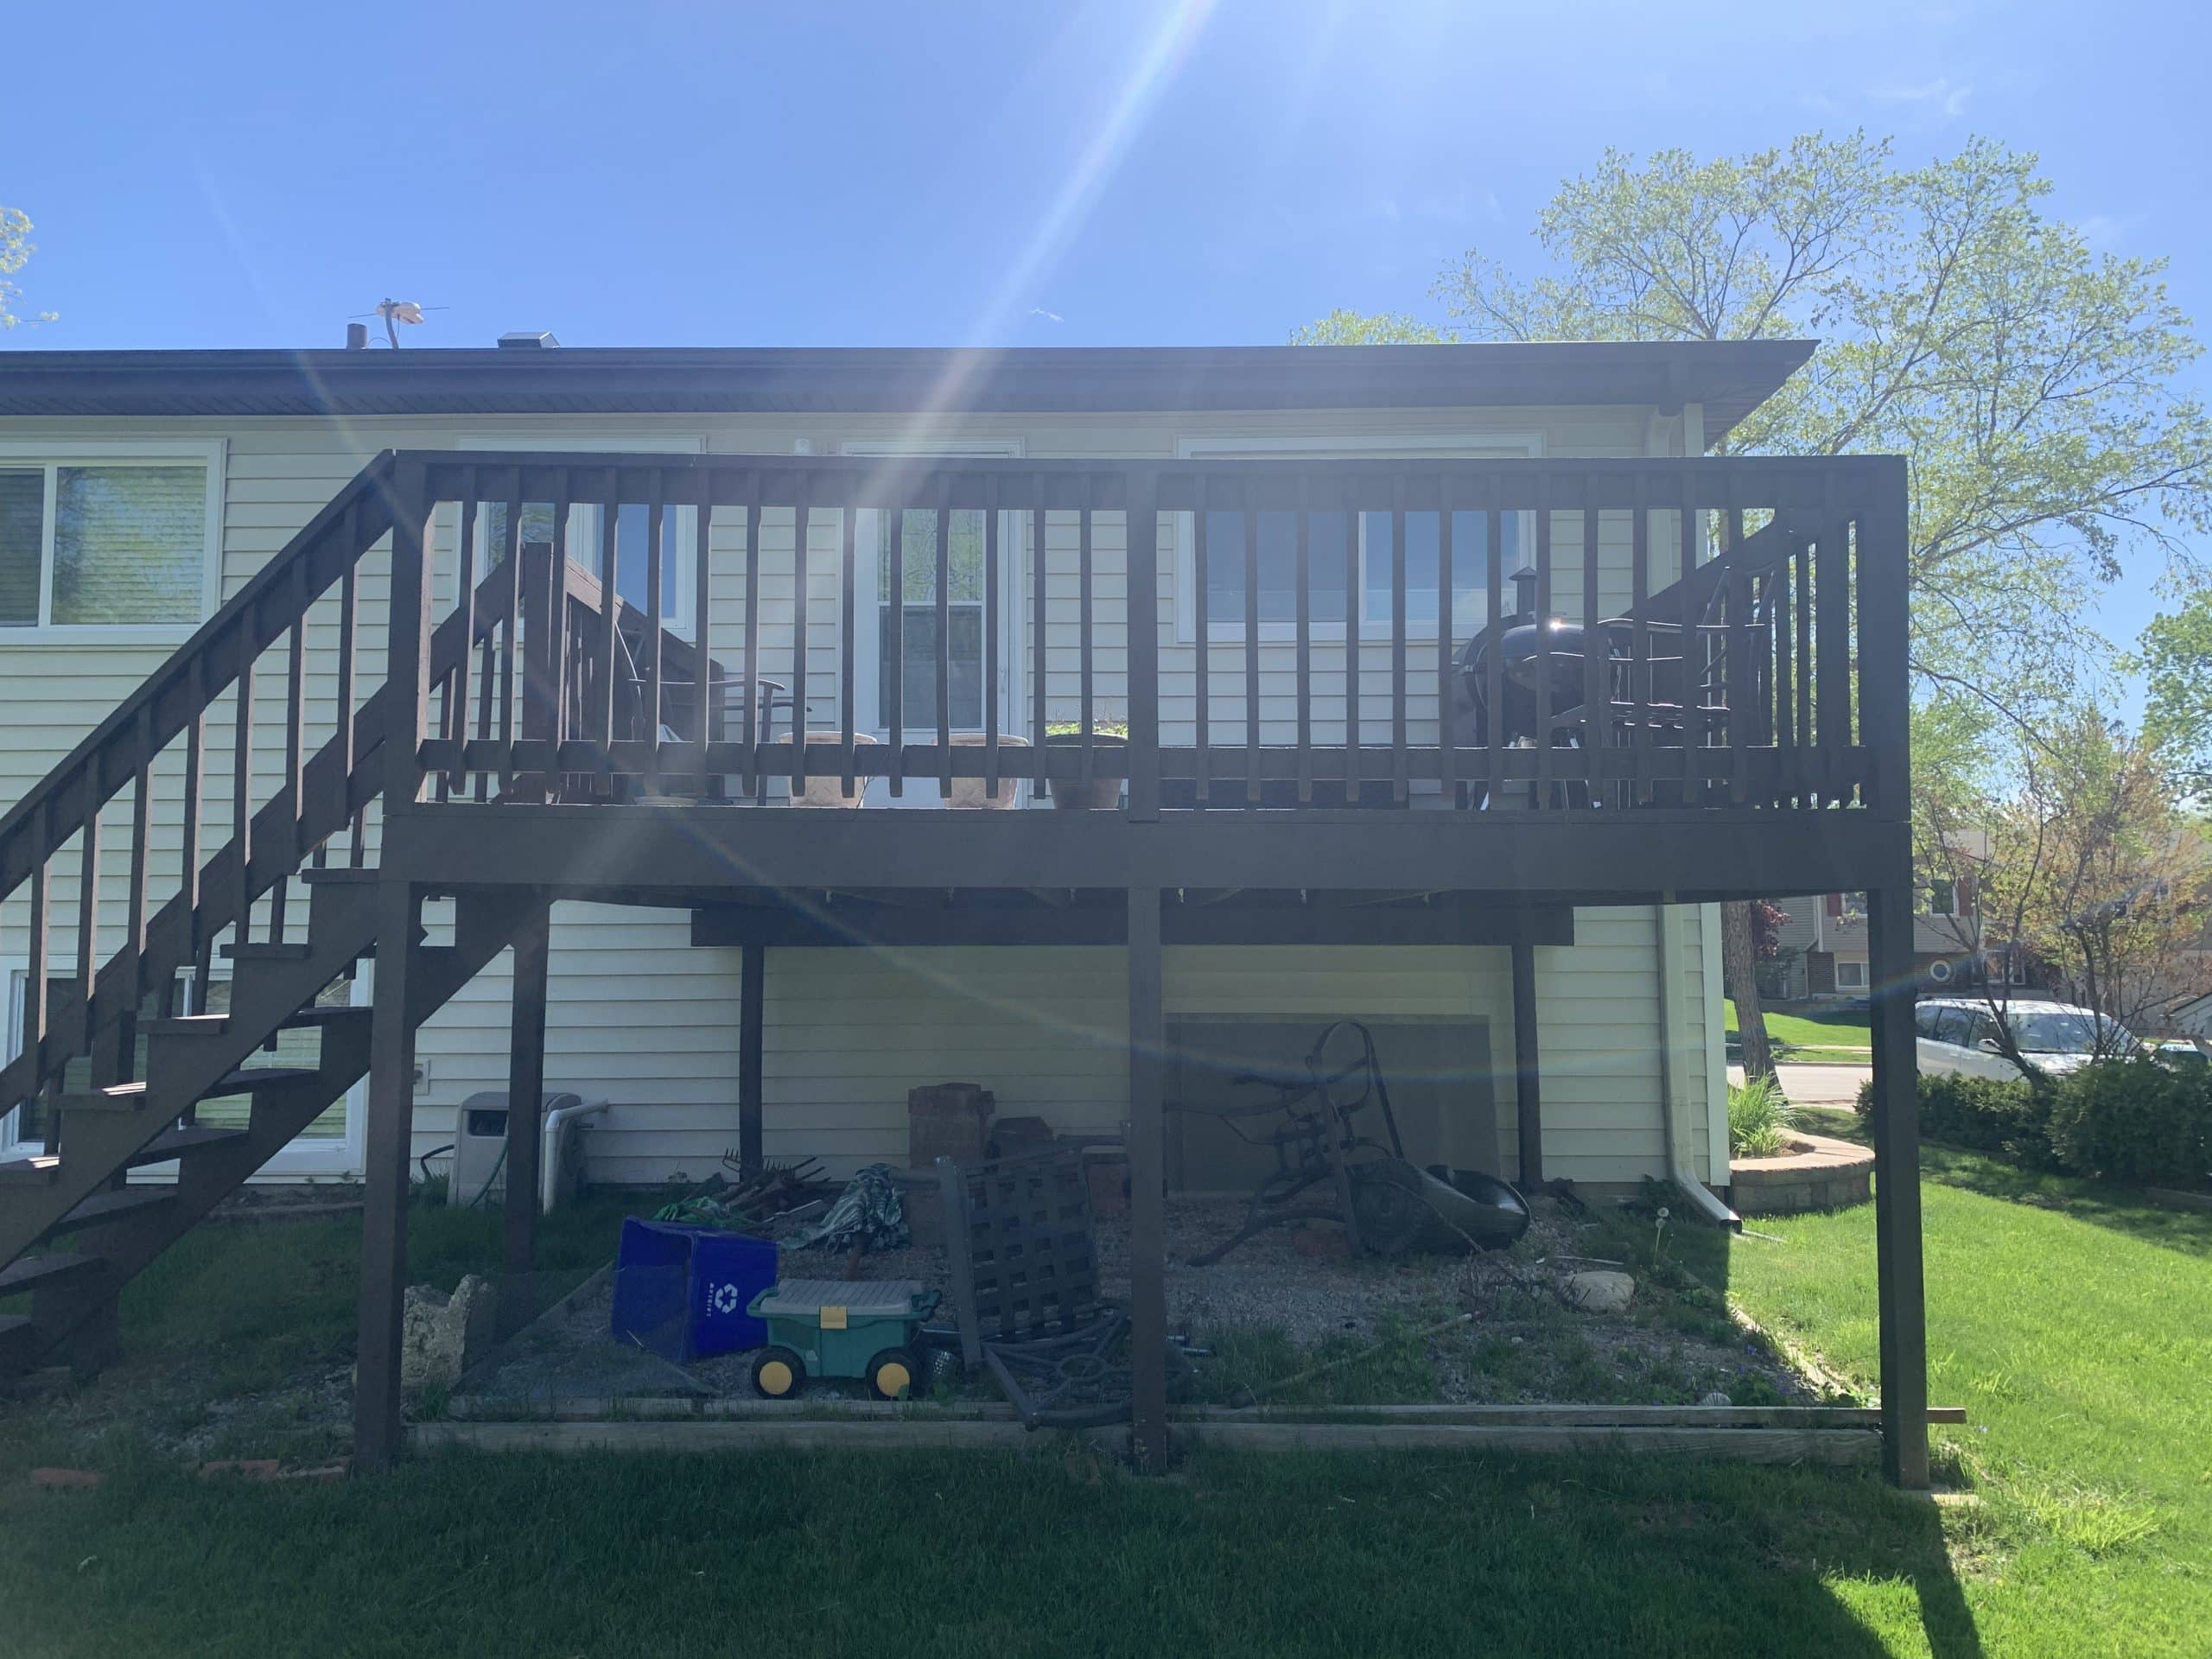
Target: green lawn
[
  {"x": 2076, "y": 1326},
  {"x": 1842, "y": 1029}
]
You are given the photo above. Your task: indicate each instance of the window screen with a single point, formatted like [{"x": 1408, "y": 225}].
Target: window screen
[{"x": 130, "y": 543}]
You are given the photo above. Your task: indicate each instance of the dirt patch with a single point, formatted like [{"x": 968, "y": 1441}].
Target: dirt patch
[{"x": 1485, "y": 1327}]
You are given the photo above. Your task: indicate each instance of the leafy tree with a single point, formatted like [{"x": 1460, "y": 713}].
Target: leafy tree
[
  {"x": 15, "y": 250},
  {"x": 2086, "y": 863},
  {"x": 2175, "y": 657},
  {"x": 2029, "y": 379}
]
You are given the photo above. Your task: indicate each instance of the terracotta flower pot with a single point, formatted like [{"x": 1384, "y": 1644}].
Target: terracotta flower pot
[
  {"x": 969, "y": 794},
  {"x": 1100, "y": 794},
  {"x": 830, "y": 790}
]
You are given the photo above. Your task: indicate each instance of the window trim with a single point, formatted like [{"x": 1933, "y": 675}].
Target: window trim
[
  {"x": 1406, "y": 446},
  {"x": 214, "y": 453},
  {"x": 867, "y": 668},
  {"x": 1841, "y": 983}
]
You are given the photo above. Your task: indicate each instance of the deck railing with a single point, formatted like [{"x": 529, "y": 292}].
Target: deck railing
[{"x": 1706, "y": 635}]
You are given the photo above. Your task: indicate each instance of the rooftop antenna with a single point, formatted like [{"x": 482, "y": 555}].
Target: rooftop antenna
[{"x": 398, "y": 311}]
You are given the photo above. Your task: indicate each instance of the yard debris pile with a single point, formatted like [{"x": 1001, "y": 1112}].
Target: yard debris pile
[{"x": 776, "y": 1195}]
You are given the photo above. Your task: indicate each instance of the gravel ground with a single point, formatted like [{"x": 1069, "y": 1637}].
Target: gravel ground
[{"x": 1294, "y": 1284}]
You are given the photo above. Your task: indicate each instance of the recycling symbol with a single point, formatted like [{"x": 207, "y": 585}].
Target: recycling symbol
[{"x": 724, "y": 1298}]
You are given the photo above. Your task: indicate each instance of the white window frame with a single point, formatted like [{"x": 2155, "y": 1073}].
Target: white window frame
[
  {"x": 583, "y": 516},
  {"x": 212, "y": 454},
  {"x": 1856, "y": 966},
  {"x": 325, "y": 1156},
  {"x": 867, "y": 600},
  {"x": 1407, "y": 446}
]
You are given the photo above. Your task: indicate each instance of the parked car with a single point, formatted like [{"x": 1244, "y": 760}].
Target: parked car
[
  {"x": 1959, "y": 1034},
  {"x": 2182, "y": 1053}
]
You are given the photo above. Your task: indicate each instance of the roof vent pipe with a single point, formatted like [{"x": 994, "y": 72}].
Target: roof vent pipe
[
  {"x": 527, "y": 340},
  {"x": 356, "y": 336}
]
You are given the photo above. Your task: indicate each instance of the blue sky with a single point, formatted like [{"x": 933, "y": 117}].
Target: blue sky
[{"x": 1146, "y": 171}]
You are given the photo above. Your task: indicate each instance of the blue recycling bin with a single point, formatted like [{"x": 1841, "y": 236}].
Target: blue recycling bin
[{"x": 682, "y": 1292}]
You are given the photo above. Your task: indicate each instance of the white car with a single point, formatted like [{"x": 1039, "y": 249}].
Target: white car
[{"x": 1958, "y": 1034}]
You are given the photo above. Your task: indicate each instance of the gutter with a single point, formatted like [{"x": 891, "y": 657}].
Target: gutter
[{"x": 1667, "y": 939}]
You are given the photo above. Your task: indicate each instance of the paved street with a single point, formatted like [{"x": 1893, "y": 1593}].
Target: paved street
[{"x": 1815, "y": 1085}]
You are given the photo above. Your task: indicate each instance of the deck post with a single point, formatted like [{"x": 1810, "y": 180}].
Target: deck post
[
  {"x": 525, "y": 1119},
  {"x": 1900, "y": 1294},
  {"x": 1528, "y": 1095},
  {"x": 1148, "y": 1447},
  {"x": 752, "y": 1003},
  {"x": 384, "y": 1215}
]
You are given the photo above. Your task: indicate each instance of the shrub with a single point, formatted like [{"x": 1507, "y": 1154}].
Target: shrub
[
  {"x": 2131, "y": 1121},
  {"x": 2134, "y": 1120},
  {"x": 1758, "y": 1119},
  {"x": 2004, "y": 1116}
]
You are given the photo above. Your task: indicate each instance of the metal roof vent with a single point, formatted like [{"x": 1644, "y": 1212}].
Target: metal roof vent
[{"x": 524, "y": 340}]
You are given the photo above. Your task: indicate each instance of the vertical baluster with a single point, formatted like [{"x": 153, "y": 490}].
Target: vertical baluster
[
  {"x": 1694, "y": 652},
  {"x": 1355, "y": 545},
  {"x": 457, "y": 687},
  {"x": 1737, "y": 601},
  {"x": 601, "y": 722},
  {"x": 1087, "y": 760},
  {"x": 1785, "y": 679},
  {"x": 195, "y": 748},
  {"x": 40, "y": 895},
  {"x": 1639, "y": 640},
  {"x": 1597, "y": 669},
  {"x": 702, "y": 622},
  {"x": 1801, "y": 558},
  {"x": 242, "y": 772},
  {"x": 1302, "y": 580},
  {"x": 348, "y": 621},
  {"x": 941, "y": 541},
  {"x": 1543, "y": 791},
  {"x": 848, "y": 602},
  {"x": 656, "y": 624},
  {"x": 1204, "y": 626},
  {"x": 1251, "y": 502},
  {"x": 487, "y": 669},
  {"x": 991, "y": 664},
  {"x": 1447, "y": 770},
  {"x": 510, "y": 647},
  {"x": 141, "y": 819},
  {"x": 295, "y": 689},
  {"x": 801, "y": 545},
  {"x": 1832, "y": 601},
  {"x": 88, "y": 897},
  {"x": 1399, "y": 787},
  {"x": 1140, "y": 519},
  {"x": 1038, "y": 655},
  {"x": 895, "y": 530},
  {"x": 558, "y": 645},
  {"x": 1494, "y": 495}
]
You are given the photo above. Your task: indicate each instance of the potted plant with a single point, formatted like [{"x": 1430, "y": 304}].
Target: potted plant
[{"x": 1073, "y": 795}]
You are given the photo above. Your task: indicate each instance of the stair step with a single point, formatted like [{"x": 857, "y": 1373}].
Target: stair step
[
  {"x": 320, "y": 1016},
  {"x": 180, "y": 1142},
  {"x": 114, "y": 1204},
  {"x": 332, "y": 875},
  {"x": 33, "y": 1272},
  {"x": 187, "y": 1025},
  {"x": 115, "y": 1098},
  {"x": 29, "y": 1172},
  {"x": 264, "y": 950},
  {"x": 247, "y": 1078}
]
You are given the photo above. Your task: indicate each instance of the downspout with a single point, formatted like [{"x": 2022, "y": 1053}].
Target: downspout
[{"x": 1665, "y": 941}]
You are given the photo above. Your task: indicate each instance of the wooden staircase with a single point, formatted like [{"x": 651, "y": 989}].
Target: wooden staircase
[{"x": 121, "y": 1072}]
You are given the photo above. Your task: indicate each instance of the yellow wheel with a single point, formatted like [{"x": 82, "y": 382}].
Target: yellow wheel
[
  {"x": 777, "y": 1373},
  {"x": 895, "y": 1374}
]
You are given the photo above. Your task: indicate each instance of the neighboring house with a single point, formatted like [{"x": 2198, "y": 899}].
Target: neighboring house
[
  {"x": 920, "y": 560},
  {"x": 1824, "y": 945}
]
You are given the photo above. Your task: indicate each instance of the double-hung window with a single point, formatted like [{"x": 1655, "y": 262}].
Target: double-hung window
[
  {"x": 1335, "y": 537},
  {"x": 119, "y": 539}
]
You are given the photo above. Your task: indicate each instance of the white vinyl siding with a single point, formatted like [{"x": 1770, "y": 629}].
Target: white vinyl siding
[{"x": 649, "y": 1021}]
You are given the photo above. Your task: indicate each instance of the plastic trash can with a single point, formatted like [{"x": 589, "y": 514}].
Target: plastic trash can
[{"x": 685, "y": 1293}]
